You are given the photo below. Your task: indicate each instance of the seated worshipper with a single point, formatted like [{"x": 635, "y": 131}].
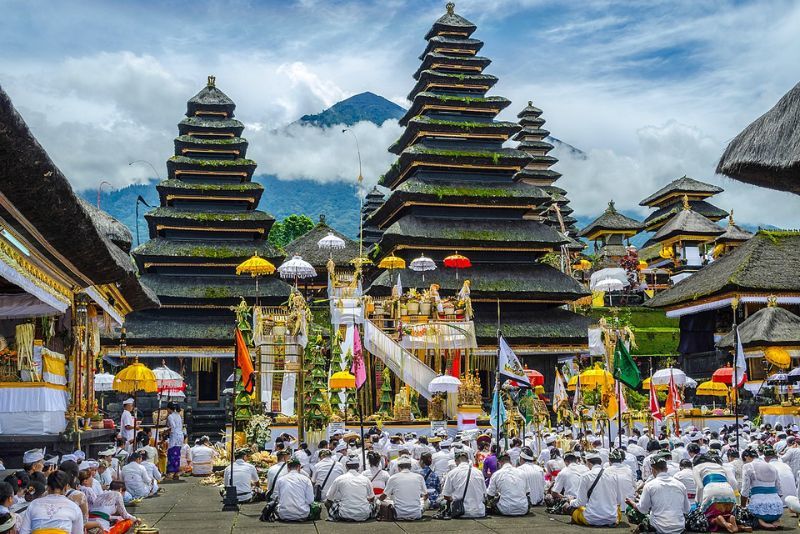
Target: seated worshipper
[
  {"x": 325, "y": 471},
  {"x": 245, "y": 477},
  {"x": 33, "y": 461},
  {"x": 686, "y": 477},
  {"x": 8, "y": 520},
  {"x": 626, "y": 481},
  {"x": 73, "y": 492},
  {"x": 20, "y": 481},
  {"x": 785, "y": 474},
  {"x": 508, "y": 489},
  {"x": 405, "y": 492},
  {"x": 202, "y": 458},
  {"x": 599, "y": 496},
  {"x": 565, "y": 487},
  {"x": 103, "y": 475},
  {"x": 279, "y": 469},
  {"x": 293, "y": 493},
  {"x": 465, "y": 483},
  {"x": 533, "y": 475},
  {"x": 109, "y": 508},
  {"x": 137, "y": 478},
  {"x": 53, "y": 513},
  {"x": 432, "y": 482},
  {"x": 186, "y": 456},
  {"x": 490, "y": 464},
  {"x": 377, "y": 476},
  {"x": 441, "y": 459},
  {"x": 715, "y": 498},
  {"x": 85, "y": 486},
  {"x": 404, "y": 452},
  {"x": 350, "y": 497},
  {"x": 143, "y": 442},
  {"x": 663, "y": 503},
  {"x": 152, "y": 470},
  {"x": 554, "y": 465},
  {"x": 761, "y": 488}
]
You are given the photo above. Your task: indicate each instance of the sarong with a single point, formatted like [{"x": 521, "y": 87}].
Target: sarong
[{"x": 174, "y": 460}]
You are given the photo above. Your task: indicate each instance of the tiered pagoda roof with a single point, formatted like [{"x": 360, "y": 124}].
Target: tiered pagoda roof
[
  {"x": 454, "y": 187},
  {"x": 668, "y": 202},
  {"x": 373, "y": 201},
  {"x": 772, "y": 326},
  {"x": 688, "y": 225},
  {"x": 611, "y": 222},
  {"x": 206, "y": 225},
  {"x": 307, "y": 246},
  {"x": 734, "y": 234}
]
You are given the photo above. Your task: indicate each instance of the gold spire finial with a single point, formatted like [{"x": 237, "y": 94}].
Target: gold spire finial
[
  {"x": 772, "y": 301},
  {"x": 212, "y": 80},
  {"x": 686, "y": 202},
  {"x": 451, "y": 8},
  {"x": 730, "y": 218}
]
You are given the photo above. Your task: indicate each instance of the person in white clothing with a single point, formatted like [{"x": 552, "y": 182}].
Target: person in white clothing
[
  {"x": 565, "y": 487},
  {"x": 791, "y": 455},
  {"x": 294, "y": 493},
  {"x": 127, "y": 425},
  {"x": 136, "y": 477},
  {"x": 174, "y": 440},
  {"x": 279, "y": 469},
  {"x": 440, "y": 460},
  {"x": 626, "y": 479},
  {"x": 405, "y": 491},
  {"x": 663, "y": 501},
  {"x": 785, "y": 475},
  {"x": 533, "y": 475},
  {"x": 202, "y": 458},
  {"x": 152, "y": 470},
  {"x": 109, "y": 505},
  {"x": 376, "y": 475},
  {"x": 245, "y": 476},
  {"x": 467, "y": 483},
  {"x": 599, "y": 507},
  {"x": 53, "y": 512},
  {"x": 510, "y": 488},
  {"x": 324, "y": 472},
  {"x": 686, "y": 477},
  {"x": 350, "y": 497}
]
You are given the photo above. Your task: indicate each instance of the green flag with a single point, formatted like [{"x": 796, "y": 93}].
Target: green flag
[{"x": 625, "y": 369}]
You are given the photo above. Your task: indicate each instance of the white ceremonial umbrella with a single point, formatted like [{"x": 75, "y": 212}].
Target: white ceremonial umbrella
[
  {"x": 331, "y": 242},
  {"x": 444, "y": 384},
  {"x": 167, "y": 379},
  {"x": 794, "y": 375},
  {"x": 103, "y": 382},
  {"x": 661, "y": 377},
  {"x": 174, "y": 395},
  {"x": 296, "y": 268},
  {"x": 778, "y": 379},
  {"x": 690, "y": 383},
  {"x": 421, "y": 265},
  {"x": 609, "y": 284},
  {"x": 610, "y": 273}
]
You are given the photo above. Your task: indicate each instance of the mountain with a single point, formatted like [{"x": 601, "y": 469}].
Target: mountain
[{"x": 362, "y": 107}]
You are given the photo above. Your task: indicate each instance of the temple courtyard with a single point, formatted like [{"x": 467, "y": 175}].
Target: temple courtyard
[{"x": 187, "y": 507}]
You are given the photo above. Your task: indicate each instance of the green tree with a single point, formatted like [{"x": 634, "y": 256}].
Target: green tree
[{"x": 290, "y": 228}]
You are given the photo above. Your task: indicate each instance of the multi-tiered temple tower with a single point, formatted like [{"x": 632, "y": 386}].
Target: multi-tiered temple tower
[{"x": 455, "y": 188}]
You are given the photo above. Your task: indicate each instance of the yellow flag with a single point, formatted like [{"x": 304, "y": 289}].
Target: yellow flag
[
  {"x": 598, "y": 299},
  {"x": 612, "y": 408}
]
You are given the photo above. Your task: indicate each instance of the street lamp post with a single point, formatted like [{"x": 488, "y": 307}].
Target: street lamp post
[{"x": 100, "y": 189}]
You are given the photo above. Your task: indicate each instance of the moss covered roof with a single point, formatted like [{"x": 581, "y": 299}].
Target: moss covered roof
[
  {"x": 706, "y": 209},
  {"x": 611, "y": 219},
  {"x": 770, "y": 326},
  {"x": 212, "y": 288},
  {"x": 237, "y": 187},
  {"x": 241, "y": 162},
  {"x": 767, "y": 263},
  {"x": 205, "y": 123},
  {"x": 172, "y": 213},
  {"x": 688, "y": 222},
  {"x": 549, "y": 326},
  {"x": 204, "y": 141},
  {"x": 206, "y": 249},
  {"x": 153, "y": 328},
  {"x": 680, "y": 186},
  {"x": 306, "y": 246}
]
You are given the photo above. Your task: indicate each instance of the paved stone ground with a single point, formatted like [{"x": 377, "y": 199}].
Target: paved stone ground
[{"x": 188, "y": 507}]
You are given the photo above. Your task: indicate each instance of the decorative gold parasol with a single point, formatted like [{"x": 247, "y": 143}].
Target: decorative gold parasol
[
  {"x": 392, "y": 262},
  {"x": 136, "y": 377},
  {"x": 255, "y": 267},
  {"x": 342, "y": 380}
]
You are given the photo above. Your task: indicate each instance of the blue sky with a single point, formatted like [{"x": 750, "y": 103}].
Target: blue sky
[{"x": 650, "y": 90}]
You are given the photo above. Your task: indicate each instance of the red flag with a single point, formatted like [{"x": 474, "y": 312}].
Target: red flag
[
  {"x": 357, "y": 368},
  {"x": 655, "y": 410},
  {"x": 673, "y": 398},
  {"x": 244, "y": 363}
]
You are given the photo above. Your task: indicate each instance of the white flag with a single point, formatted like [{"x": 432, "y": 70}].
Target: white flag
[
  {"x": 560, "y": 397},
  {"x": 740, "y": 372},
  {"x": 399, "y": 286},
  {"x": 509, "y": 366}
]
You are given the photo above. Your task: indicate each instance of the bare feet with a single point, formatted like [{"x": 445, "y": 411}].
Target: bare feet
[{"x": 767, "y": 526}]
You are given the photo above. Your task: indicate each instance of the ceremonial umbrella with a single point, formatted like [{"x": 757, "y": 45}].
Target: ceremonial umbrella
[
  {"x": 609, "y": 284},
  {"x": 255, "y": 267},
  {"x": 103, "y": 382},
  {"x": 582, "y": 265},
  {"x": 794, "y": 375},
  {"x": 457, "y": 261},
  {"x": 296, "y": 268},
  {"x": 646, "y": 385},
  {"x": 778, "y": 379},
  {"x": 596, "y": 378},
  {"x": 342, "y": 380},
  {"x": 135, "y": 378},
  {"x": 779, "y": 357},
  {"x": 444, "y": 384},
  {"x": 392, "y": 262},
  {"x": 534, "y": 377},
  {"x": 712, "y": 389},
  {"x": 573, "y": 383},
  {"x": 331, "y": 242},
  {"x": 662, "y": 376},
  {"x": 690, "y": 383},
  {"x": 422, "y": 264},
  {"x": 723, "y": 375}
]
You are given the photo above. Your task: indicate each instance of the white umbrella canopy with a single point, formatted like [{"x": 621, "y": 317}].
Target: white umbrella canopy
[
  {"x": 794, "y": 375},
  {"x": 297, "y": 267},
  {"x": 609, "y": 284},
  {"x": 662, "y": 376},
  {"x": 103, "y": 382},
  {"x": 331, "y": 242},
  {"x": 444, "y": 384},
  {"x": 690, "y": 383},
  {"x": 778, "y": 379},
  {"x": 610, "y": 273},
  {"x": 167, "y": 379},
  {"x": 173, "y": 395},
  {"x": 422, "y": 264}
]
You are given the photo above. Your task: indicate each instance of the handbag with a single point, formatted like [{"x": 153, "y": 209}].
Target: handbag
[{"x": 457, "y": 506}]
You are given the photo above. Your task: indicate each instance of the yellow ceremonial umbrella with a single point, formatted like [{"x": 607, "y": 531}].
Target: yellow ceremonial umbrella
[
  {"x": 642, "y": 265},
  {"x": 573, "y": 383},
  {"x": 538, "y": 390},
  {"x": 360, "y": 261},
  {"x": 392, "y": 262},
  {"x": 342, "y": 380},
  {"x": 135, "y": 377},
  {"x": 582, "y": 265},
  {"x": 597, "y": 378},
  {"x": 255, "y": 267},
  {"x": 659, "y": 387},
  {"x": 779, "y": 357},
  {"x": 712, "y": 389}
]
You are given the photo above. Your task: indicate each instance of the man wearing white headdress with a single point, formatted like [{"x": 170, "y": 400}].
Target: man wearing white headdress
[{"x": 127, "y": 424}]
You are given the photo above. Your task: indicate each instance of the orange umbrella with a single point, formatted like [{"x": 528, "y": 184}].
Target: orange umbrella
[
  {"x": 457, "y": 261},
  {"x": 723, "y": 375}
]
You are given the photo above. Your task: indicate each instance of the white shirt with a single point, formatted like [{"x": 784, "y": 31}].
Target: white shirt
[
  {"x": 534, "y": 476},
  {"x": 137, "y": 480},
  {"x": 278, "y": 470},
  {"x": 455, "y": 482},
  {"x": 353, "y": 492},
  {"x": 202, "y": 459},
  {"x": 320, "y": 473},
  {"x": 52, "y": 512},
  {"x": 440, "y": 461},
  {"x": 109, "y": 503},
  {"x": 126, "y": 420},
  {"x": 626, "y": 483},
  {"x": 786, "y": 477},
  {"x": 511, "y": 485},
  {"x": 175, "y": 424},
  {"x": 664, "y": 498},
  {"x": 791, "y": 456},
  {"x": 393, "y": 467},
  {"x": 377, "y": 477},
  {"x": 294, "y": 494},
  {"x": 632, "y": 463},
  {"x": 513, "y": 454},
  {"x": 244, "y": 475},
  {"x": 686, "y": 477},
  {"x": 568, "y": 481},
  {"x": 607, "y": 498},
  {"x": 152, "y": 470},
  {"x": 406, "y": 490}
]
